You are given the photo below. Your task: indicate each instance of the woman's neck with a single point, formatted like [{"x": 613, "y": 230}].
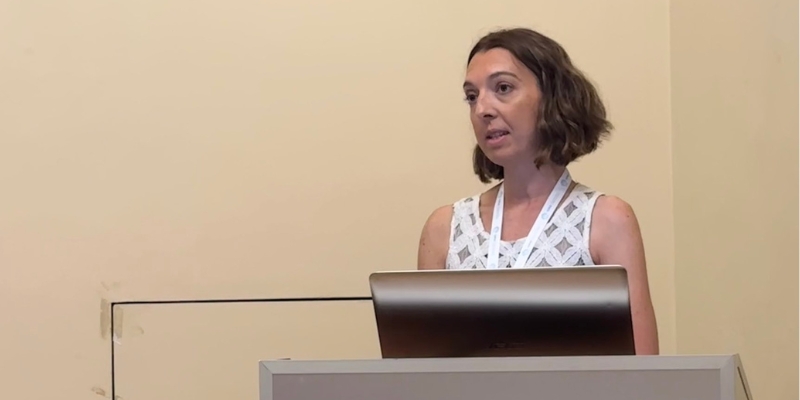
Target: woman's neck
[{"x": 524, "y": 183}]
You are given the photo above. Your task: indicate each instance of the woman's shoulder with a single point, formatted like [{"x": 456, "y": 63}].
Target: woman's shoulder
[
  {"x": 613, "y": 222},
  {"x": 604, "y": 206},
  {"x": 440, "y": 219},
  {"x": 608, "y": 212},
  {"x": 614, "y": 213},
  {"x": 607, "y": 209}
]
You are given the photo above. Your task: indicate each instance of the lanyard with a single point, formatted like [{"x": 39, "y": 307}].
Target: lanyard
[{"x": 536, "y": 230}]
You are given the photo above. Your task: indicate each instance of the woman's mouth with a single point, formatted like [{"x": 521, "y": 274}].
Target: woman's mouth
[{"x": 496, "y": 136}]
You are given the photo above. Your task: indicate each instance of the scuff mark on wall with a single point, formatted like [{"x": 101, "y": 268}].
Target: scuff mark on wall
[
  {"x": 105, "y": 318},
  {"x": 102, "y": 392},
  {"x": 116, "y": 332},
  {"x": 117, "y": 328},
  {"x": 110, "y": 286}
]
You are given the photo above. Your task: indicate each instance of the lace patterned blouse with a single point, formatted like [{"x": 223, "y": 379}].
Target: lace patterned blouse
[{"x": 564, "y": 241}]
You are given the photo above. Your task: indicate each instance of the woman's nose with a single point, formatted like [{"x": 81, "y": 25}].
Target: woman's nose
[{"x": 484, "y": 108}]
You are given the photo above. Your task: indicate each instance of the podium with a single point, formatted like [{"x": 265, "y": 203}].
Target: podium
[{"x": 532, "y": 378}]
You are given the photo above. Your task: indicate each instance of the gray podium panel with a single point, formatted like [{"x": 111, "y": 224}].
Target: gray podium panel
[{"x": 562, "y": 378}]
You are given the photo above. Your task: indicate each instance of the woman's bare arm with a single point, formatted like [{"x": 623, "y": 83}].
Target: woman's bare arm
[
  {"x": 616, "y": 239},
  {"x": 435, "y": 238}
]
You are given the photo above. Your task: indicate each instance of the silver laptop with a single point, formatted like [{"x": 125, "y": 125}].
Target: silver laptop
[{"x": 548, "y": 311}]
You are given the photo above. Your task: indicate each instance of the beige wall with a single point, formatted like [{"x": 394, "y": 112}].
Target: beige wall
[
  {"x": 176, "y": 149},
  {"x": 735, "y": 130}
]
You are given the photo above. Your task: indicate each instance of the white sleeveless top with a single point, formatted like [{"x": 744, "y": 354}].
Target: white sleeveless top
[{"x": 564, "y": 241}]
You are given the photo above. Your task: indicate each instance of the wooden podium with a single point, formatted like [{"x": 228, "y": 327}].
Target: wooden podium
[{"x": 530, "y": 378}]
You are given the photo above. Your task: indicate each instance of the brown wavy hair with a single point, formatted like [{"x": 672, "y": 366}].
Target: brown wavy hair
[{"x": 571, "y": 117}]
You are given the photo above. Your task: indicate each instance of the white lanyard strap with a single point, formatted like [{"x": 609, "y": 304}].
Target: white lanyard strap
[{"x": 536, "y": 230}]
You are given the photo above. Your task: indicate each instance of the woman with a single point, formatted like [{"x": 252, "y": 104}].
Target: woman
[{"x": 533, "y": 113}]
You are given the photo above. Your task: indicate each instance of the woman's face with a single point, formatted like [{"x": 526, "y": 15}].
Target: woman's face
[{"x": 503, "y": 97}]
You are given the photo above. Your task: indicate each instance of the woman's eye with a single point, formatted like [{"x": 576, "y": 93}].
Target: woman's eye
[
  {"x": 470, "y": 97},
  {"x": 503, "y": 88}
]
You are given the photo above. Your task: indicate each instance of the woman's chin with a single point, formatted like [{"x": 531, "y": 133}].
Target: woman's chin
[{"x": 500, "y": 157}]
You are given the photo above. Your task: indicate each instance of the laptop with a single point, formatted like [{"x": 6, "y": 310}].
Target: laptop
[{"x": 528, "y": 312}]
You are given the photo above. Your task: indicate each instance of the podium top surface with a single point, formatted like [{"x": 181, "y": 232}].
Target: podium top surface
[
  {"x": 694, "y": 377},
  {"x": 504, "y": 364}
]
